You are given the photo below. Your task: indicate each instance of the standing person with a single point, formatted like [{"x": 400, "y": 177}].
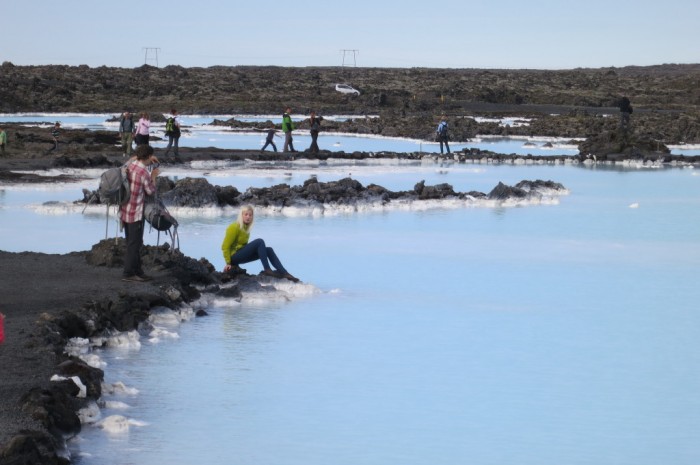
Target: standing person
[
  {"x": 172, "y": 130},
  {"x": 55, "y": 134},
  {"x": 141, "y": 133},
  {"x": 131, "y": 214},
  {"x": 271, "y": 133},
  {"x": 315, "y": 123},
  {"x": 625, "y": 113},
  {"x": 126, "y": 132},
  {"x": 442, "y": 135},
  {"x": 237, "y": 249},
  {"x": 287, "y": 128},
  {"x": 3, "y": 140}
]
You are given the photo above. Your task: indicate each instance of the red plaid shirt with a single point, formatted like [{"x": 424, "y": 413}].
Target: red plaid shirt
[{"x": 141, "y": 183}]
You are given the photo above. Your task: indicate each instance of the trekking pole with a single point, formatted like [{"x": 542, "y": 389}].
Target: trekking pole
[{"x": 117, "y": 226}]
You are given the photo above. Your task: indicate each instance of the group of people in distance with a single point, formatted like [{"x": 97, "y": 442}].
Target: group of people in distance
[
  {"x": 288, "y": 128},
  {"x": 441, "y": 133},
  {"x": 139, "y": 132}
]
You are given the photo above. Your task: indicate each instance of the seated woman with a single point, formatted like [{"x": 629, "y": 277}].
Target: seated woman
[{"x": 237, "y": 249}]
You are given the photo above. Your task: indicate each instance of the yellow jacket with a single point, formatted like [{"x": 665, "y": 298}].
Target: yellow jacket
[{"x": 234, "y": 240}]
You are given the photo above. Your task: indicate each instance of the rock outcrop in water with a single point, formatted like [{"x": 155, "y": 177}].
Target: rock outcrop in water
[{"x": 344, "y": 193}]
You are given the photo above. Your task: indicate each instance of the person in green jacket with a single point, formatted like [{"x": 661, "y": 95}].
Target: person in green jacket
[
  {"x": 238, "y": 250},
  {"x": 287, "y": 128},
  {"x": 3, "y": 140}
]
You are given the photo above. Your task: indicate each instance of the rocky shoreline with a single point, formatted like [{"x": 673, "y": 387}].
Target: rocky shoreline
[{"x": 44, "y": 311}]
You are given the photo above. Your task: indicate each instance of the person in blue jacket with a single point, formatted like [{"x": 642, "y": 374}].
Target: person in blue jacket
[{"x": 442, "y": 134}]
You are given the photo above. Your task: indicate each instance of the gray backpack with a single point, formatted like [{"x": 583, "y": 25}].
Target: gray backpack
[
  {"x": 114, "y": 189},
  {"x": 114, "y": 186}
]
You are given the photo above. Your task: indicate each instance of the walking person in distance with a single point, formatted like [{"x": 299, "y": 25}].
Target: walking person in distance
[
  {"x": 315, "y": 124},
  {"x": 126, "y": 132},
  {"x": 172, "y": 130},
  {"x": 442, "y": 134},
  {"x": 269, "y": 140},
  {"x": 55, "y": 134},
  {"x": 287, "y": 128},
  {"x": 142, "y": 132}
]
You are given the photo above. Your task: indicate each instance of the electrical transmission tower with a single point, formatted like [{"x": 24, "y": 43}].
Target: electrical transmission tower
[
  {"x": 347, "y": 52},
  {"x": 151, "y": 54}
]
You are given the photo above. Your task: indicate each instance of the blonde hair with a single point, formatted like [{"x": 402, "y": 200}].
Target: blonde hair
[{"x": 243, "y": 226}]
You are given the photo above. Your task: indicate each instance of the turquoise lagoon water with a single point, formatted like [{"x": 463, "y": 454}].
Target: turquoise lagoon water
[{"x": 539, "y": 334}]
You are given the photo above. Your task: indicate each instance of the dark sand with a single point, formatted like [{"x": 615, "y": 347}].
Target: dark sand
[{"x": 32, "y": 285}]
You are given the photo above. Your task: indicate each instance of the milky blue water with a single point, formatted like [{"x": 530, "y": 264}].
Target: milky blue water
[{"x": 541, "y": 334}]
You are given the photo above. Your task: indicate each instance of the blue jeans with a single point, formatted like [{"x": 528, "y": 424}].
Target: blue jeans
[
  {"x": 256, "y": 250},
  {"x": 269, "y": 142},
  {"x": 443, "y": 140},
  {"x": 172, "y": 138}
]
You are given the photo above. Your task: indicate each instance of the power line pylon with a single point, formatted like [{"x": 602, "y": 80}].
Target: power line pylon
[
  {"x": 347, "y": 52},
  {"x": 151, "y": 54}
]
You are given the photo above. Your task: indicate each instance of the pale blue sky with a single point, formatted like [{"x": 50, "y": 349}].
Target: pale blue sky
[{"x": 547, "y": 34}]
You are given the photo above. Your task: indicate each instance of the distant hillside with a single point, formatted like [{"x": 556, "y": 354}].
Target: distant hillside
[{"x": 247, "y": 89}]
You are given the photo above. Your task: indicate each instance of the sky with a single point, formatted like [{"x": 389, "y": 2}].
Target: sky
[{"x": 546, "y": 34}]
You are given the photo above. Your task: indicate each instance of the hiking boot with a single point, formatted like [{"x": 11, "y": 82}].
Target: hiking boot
[
  {"x": 291, "y": 278},
  {"x": 271, "y": 273},
  {"x": 145, "y": 277},
  {"x": 235, "y": 269},
  {"x": 134, "y": 278}
]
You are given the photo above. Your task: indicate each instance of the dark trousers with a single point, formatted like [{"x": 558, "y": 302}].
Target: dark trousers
[
  {"x": 173, "y": 141},
  {"x": 443, "y": 140},
  {"x": 288, "y": 142},
  {"x": 142, "y": 139},
  {"x": 256, "y": 250},
  {"x": 314, "y": 142},
  {"x": 134, "y": 242},
  {"x": 269, "y": 142}
]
